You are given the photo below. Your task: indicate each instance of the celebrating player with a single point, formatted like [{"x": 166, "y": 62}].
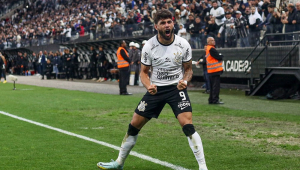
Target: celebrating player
[{"x": 169, "y": 57}]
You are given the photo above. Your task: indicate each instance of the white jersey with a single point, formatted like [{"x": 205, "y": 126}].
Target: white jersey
[
  {"x": 216, "y": 13},
  {"x": 166, "y": 60}
]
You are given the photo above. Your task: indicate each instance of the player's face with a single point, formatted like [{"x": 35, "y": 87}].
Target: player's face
[{"x": 165, "y": 28}]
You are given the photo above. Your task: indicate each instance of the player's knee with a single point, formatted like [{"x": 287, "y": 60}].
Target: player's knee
[
  {"x": 132, "y": 131},
  {"x": 188, "y": 129}
]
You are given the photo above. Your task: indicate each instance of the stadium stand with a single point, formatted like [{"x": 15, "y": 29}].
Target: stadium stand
[{"x": 85, "y": 23}]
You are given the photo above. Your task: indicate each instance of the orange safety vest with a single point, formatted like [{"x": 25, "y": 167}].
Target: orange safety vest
[
  {"x": 121, "y": 62},
  {"x": 213, "y": 65}
]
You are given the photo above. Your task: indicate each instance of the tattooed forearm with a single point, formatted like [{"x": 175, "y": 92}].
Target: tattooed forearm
[{"x": 188, "y": 72}]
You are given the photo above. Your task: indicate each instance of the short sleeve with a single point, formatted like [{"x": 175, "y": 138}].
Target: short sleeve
[
  {"x": 222, "y": 12},
  {"x": 188, "y": 53},
  {"x": 146, "y": 58}
]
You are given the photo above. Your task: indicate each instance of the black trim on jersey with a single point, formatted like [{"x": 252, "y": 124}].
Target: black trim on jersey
[
  {"x": 186, "y": 61},
  {"x": 146, "y": 64},
  {"x": 164, "y": 44}
]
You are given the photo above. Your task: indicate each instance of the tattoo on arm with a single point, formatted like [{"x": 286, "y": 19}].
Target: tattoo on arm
[{"x": 188, "y": 72}]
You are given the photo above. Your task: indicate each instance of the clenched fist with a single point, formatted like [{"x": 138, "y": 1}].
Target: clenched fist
[
  {"x": 152, "y": 89},
  {"x": 181, "y": 85}
]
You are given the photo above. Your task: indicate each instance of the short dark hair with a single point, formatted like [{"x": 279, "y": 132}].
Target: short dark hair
[{"x": 162, "y": 14}]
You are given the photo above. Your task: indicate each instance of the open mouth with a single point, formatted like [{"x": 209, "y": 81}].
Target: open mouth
[{"x": 168, "y": 32}]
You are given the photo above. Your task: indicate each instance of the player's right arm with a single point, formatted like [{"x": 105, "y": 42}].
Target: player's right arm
[
  {"x": 144, "y": 75},
  {"x": 146, "y": 63}
]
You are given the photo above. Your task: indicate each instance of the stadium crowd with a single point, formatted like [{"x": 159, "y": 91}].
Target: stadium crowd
[{"x": 233, "y": 23}]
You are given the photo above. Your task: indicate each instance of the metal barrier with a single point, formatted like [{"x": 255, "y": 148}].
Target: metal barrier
[{"x": 268, "y": 43}]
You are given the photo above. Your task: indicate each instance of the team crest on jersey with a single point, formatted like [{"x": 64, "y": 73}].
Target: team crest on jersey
[
  {"x": 178, "y": 57},
  {"x": 142, "y": 106}
]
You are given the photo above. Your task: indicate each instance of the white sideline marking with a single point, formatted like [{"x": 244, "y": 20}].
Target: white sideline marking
[{"x": 133, "y": 153}]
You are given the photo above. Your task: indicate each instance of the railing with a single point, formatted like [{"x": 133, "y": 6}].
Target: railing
[{"x": 267, "y": 44}]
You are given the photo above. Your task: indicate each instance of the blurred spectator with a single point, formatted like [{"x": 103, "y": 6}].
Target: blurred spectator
[
  {"x": 56, "y": 62},
  {"x": 49, "y": 69},
  {"x": 205, "y": 10},
  {"x": 289, "y": 25},
  {"x": 196, "y": 30},
  {"x": 211, "y": 29},
  {"x": 41, "y": 22},
  {"x": 241, "y": 26},
  {"x": 183, "y": 13},
  {"x": 267, "y": 25},
  {"x": 277, "y": 26},
  {"x": 182, "y": 31},
  {"x": 265, "y": 8},
  {"x": 230, "y": 34},
  {"x": 219, "y": 14},
  {"x": 42, "y": 61},
  {"x": 67, "y": 33},
  {"x": 254, "y": 29},
  {"x": 297, "y": 19},
  {"x": 81, "y": 30},
  {"x": 100, "y": 62}
]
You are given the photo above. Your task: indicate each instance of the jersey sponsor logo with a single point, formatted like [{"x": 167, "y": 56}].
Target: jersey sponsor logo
[
  {"x": 178, "y": 57},
  {"x": 166, "y": 76},
  {"x": 184, "y": 104},
  {"x": 167, "y": 59},
  {"x": 142, "y": 106},
  {"x": 179, "y": 45},
  {"x": 154, "y": 46},
  {"x": 187, "y": 54},
  {"x": 145, "y": 57}
]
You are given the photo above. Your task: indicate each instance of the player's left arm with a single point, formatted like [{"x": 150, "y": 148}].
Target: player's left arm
[{"x": 188, "y": 74}]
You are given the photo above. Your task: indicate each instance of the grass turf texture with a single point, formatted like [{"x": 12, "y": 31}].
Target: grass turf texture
[{"x": 245, "y": 133}]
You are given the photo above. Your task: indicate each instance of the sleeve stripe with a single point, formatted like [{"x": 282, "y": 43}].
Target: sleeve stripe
[
  {"x": 145, "y": 64},
  {"x": 186, "y": 61}
]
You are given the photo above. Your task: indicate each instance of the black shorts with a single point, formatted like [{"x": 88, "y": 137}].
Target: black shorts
[{"x": 151, "y": 105}]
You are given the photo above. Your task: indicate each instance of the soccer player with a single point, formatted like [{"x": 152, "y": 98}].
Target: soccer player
[{"x": 169, "y": 56}]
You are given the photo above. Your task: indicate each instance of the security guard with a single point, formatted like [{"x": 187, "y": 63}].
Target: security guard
[
  {"x": 123, "y": 66},
  {"x": 214, "y": 69}
]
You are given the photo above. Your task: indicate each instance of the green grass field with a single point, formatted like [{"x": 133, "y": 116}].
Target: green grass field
[{"x": 247, "y": 133}]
